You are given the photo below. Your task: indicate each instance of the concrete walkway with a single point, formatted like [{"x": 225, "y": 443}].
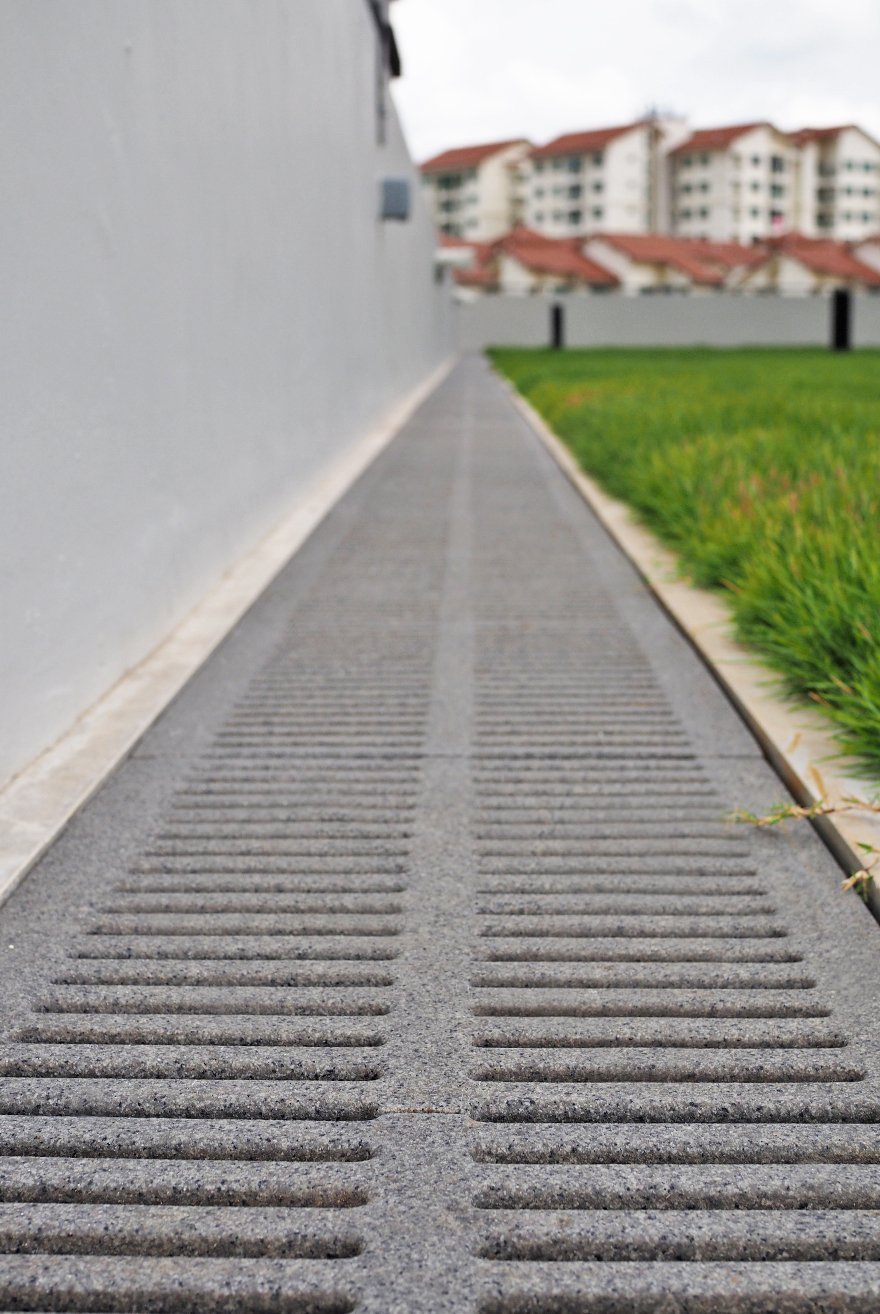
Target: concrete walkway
[{"x": 408, "y": 963}]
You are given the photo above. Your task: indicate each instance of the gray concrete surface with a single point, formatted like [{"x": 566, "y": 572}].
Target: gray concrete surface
[
  {"x": 712, "y": 320},
  {"x": 409, "y": 965}
]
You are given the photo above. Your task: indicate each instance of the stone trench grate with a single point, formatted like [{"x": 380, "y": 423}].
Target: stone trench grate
[{"x": 410, "y": 965}]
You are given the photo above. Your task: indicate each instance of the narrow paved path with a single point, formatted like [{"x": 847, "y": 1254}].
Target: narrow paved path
[{"x": 409, "y": 965}]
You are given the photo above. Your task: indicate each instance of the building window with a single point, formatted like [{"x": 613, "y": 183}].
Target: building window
[
  {"x": 777, "y": 164},
  {"x": 704, "y": 159},
  {"x": 598, "y": 157},
  {"x": 574, "y": 164},
  {"x": 598, "y": 186},
  {"x": 777, "y": 190},
  {"x": 539, "y": 216},
  {"x": 539, "y": 191},
  {"x": 684, "y": 214},
  {"x": 574, "y": 216},
  {"x": 539, "y": 166},
  {"x": 755, "y": 212},
  {"x": 574, "y": 192},
  {"x": 704, "y": 213},
  {"x": 756, "y": 159},
  {"x": 597, "y": 212}
]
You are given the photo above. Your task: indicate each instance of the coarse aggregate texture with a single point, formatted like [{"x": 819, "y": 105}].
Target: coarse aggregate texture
[
  {"x": 761, "y": 469},
  {"x": 409, "y": 965}
]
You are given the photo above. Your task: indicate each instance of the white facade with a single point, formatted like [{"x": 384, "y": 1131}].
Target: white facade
[
  {"x": 471, "y": 196},
  {"x": 732, "y": 184},
  {"x": 572, "y": 186},
  {"x": 838, "y": 192},
  {"x": 868, "y": 251},
  {"x": 739, "y": 190},
  {"x": 670, "y": 132},
  {"x": 201, "y": 315}
]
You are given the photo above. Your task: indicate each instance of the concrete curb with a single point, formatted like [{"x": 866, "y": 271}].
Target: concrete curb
[
  {"x": 796, "y": 739},
  {"x": 38, "y": 801}
]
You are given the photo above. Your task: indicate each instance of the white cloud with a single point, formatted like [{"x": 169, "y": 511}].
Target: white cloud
[{"x": 481, "y": 69}]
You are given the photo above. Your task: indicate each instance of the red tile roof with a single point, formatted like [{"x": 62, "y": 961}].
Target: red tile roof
[
  {"x": 688, "y": 255},
  {"x": 731, "y": 255},
  {"x": 467, "y": 157},
  {"x": 827, "y": 134},
  {"x": 815, "y": 134},
  {"x": 481, "y": 272},
  {"x": 583, "y": 143},
  {"x": 716, "y": 139},
  {"x": 825, "y": 257},
  {"x": 479, "y": 275},
  {"x": 559, "y": 256}
]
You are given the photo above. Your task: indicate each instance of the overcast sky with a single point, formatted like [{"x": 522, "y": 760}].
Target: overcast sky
[{"x": 480, "y": 70}]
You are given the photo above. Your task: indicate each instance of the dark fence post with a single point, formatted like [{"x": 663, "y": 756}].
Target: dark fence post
[
  {"x": 557, "y": 327},
  {"x": 841, "y": 319}
]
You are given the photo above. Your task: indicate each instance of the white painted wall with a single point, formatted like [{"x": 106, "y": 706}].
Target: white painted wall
[
  {"x": 628, "y": 166},
  {"x": 200, "y": 310},
  {"x": 807, "y": 184},
  {"x": 721, "y": 320},
  {"x": 497, "y": 183}
]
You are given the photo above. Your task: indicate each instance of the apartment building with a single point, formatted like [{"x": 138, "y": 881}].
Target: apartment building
[
  {"x": 733, "y": 184},
  {"x": 838, "y": 182},
  {"x": 589, "y": 180},
  {"x": 472, "y": 190},
  {"x": 738, "y": 183}
]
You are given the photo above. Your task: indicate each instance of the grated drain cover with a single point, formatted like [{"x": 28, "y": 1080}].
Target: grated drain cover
[{"x": 409, "y": 964}]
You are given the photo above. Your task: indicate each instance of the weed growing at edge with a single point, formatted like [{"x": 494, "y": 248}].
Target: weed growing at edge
[{"x": 860, "y": 880}]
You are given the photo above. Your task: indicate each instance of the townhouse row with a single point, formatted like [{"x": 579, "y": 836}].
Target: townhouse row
[
  {"x": 740, "y": 183},
  {"x": 524, "y": 261}
]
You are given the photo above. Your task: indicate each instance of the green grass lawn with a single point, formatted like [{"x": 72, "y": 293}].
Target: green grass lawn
[{"x": 761, "y": 468}]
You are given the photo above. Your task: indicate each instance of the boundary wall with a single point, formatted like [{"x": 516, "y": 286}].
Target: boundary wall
[
  {"x": 202, "y": 312},
  {"x": 612, "y": 320}
]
